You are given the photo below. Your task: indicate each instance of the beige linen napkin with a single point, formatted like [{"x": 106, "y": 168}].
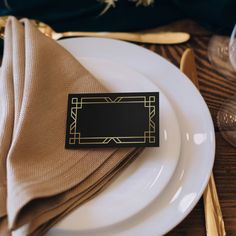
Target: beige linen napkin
[
  {"x": 6, "y": 119},
  {"x": 45, "y": 180},
  {"x": 53, "y": 215},
  {"x": 4, "y": 231}
]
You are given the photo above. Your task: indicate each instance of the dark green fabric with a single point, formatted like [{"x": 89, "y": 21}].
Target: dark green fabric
[
  {"x": 216, "y": 15},
  {"x": 84, "y": 15}
]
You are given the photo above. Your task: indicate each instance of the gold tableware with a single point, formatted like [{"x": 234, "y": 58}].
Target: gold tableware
[
  {"x": 156, "y": 38},
  {"x": 213, "y": 215}
]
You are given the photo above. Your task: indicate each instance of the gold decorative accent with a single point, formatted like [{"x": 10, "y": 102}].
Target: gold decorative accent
[
  {"x": 111, "y": 3},
  {"x": 77, "y": 104}
]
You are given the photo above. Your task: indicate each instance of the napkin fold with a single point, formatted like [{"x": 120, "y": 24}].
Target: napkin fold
[
  {"x": 42, "y": 180},
  {"x": 6, "y": 119}
]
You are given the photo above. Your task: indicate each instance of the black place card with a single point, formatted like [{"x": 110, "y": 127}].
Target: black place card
[{"x": 113, "y": 120}]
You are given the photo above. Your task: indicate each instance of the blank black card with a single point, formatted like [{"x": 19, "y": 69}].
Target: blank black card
[{"x": 113, "y": 120}]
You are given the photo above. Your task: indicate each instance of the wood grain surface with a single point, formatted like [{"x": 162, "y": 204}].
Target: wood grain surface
[{"x": 216, "y": 86}]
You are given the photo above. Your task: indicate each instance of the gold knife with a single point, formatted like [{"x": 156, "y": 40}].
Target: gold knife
[{"x": 213, "y": 215}]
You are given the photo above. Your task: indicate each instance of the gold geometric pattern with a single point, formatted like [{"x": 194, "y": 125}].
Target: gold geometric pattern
[{"x": 149, "y": 136}]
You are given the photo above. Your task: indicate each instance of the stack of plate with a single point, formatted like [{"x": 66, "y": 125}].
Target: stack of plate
[{"x": 162, "y": 186}]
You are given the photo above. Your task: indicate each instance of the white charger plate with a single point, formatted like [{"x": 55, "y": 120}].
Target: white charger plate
[
  {"x": 197, "y": 137},
  {"x": 142, "y": 181}
]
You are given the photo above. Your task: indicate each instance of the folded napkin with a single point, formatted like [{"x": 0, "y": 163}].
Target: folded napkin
[
  {"x": 6, "y": 121},
  {"x": 42, "y": 180}
]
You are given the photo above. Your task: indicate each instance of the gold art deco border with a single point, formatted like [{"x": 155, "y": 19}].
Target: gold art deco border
[{"x": 149, "y": 136}]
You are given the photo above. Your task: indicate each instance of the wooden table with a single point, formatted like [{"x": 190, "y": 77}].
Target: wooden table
[{"x": 215, "y": 87}]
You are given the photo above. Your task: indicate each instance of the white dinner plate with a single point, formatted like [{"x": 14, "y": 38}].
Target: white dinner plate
[
  {"x": 142, "y": 181},
  {"x": 197, "y": 138}
]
